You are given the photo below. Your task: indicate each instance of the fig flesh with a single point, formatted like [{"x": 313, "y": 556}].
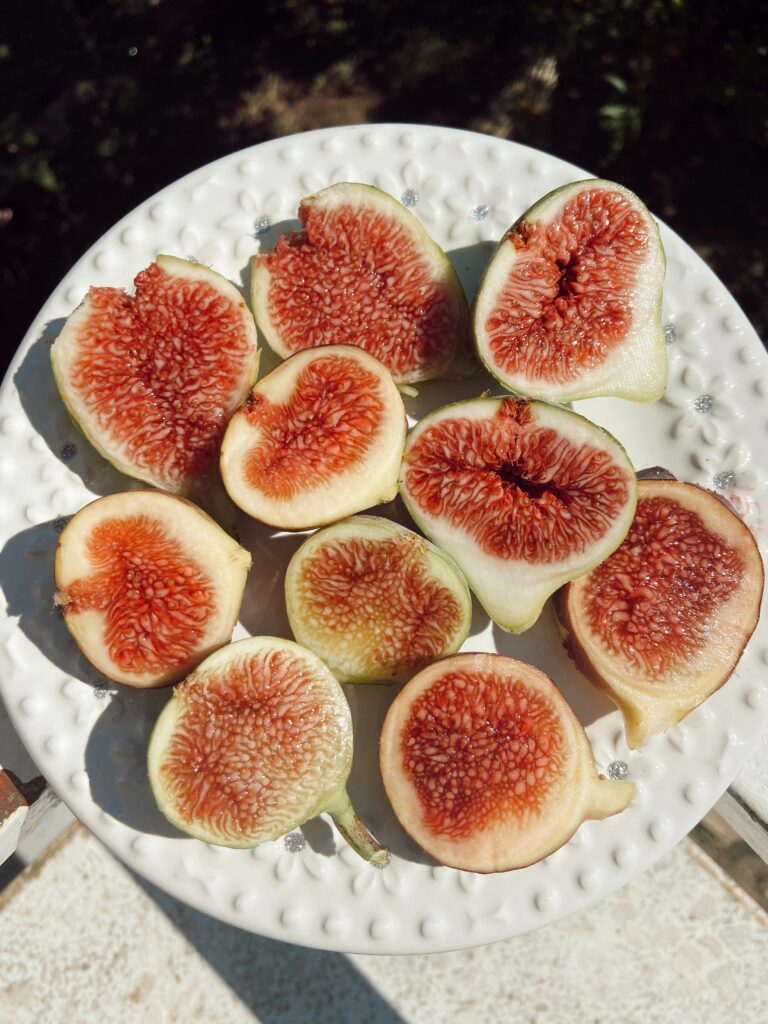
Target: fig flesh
[
  {"x": 569, "y": 306},
  {"x": 376, "y": 601},
  {"x": 523, "y": 495},
  {"x": 148, "y": 584},
  {"x": 151, "y": 379},
  {"x": 662, "y": 623},
  {"x": 319, "y": 438},
  {"x": 363, "y": 271},
  {"x": 255, "y": 742},
  {"x": 487, "y": 767}
]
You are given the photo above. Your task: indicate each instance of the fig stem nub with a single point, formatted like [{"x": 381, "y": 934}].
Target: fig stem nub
[
  {"x": 608, "y": 797},
  {"x": 355, "y": 832}
]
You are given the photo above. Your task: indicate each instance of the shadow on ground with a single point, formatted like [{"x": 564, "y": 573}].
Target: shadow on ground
[{"x": 280, "y": 983}]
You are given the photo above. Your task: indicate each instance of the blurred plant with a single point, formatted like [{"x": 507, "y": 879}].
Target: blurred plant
[{"x": 108, "y": 100}]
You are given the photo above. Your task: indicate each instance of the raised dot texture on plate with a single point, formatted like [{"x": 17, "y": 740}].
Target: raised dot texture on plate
[
  {"x": 141, "y": 845},
  {"x": 103, "y": 259},
  {"x": 680, "y": 790},
  {"x": 380, "y": 928},
  {"x": 589, "y": 879},
  {"x": 242, "y": 901},
  {"x": 694, "y": 792},
  {"x": 622, "y": 856},
  {"x": 755, "y": 697},
  {"x": 545, "y": 901},
  {"x": 29, "y": 706},
  {"x": 431, "y": 926},
  {"x": 54, "y": 745},
  {"x": 334, "y": 924},
  {"x": 159, "y": 212},
  {"x": 658, "y": 829}
]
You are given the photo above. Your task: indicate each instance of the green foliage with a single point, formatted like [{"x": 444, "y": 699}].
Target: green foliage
[{"x": 111, "y": 99}]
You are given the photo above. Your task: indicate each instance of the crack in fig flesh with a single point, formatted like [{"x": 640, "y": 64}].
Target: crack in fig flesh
[
  {"x": 567, "y": 302},
  {"x": 478, "y": 749},
  {"x": 652, "y": 599},
  {"x": 155, "y": 599},
  {"x": 521, "y": 491},
  {"x": 329, "y": 424},
  {"x": 158, "y": 371},
  {"x": 355, "y": 276},
  {"x": 253, "y": 746},
  {"x": 378, "y": 597}
]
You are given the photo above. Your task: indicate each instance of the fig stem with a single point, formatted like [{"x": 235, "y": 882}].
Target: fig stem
[
  {"x": 609, "y": 796},
  {"x": 355, "y": 832}
]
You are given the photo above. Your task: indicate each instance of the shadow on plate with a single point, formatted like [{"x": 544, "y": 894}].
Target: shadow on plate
[
  {"x": 116, "y": 759},
  {"x": 115, "y": 755},
  {"x": 542, "y": 646},
  {"x": 47, "y": 414},
  {"x": 26, "y": 578},
  {"x": 469, "y": 262}
]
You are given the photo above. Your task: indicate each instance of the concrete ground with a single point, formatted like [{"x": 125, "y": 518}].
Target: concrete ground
[{"x": 83, "y": 940}]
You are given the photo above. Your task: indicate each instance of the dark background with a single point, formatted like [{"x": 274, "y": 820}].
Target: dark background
[{"x": 106, "y": 101}]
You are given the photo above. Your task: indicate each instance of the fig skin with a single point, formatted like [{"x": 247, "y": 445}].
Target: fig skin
[
  {"x": 501, "y": 837},
  {"x": 652, "y": 705},
  {"x": 207, "y": 491},
  {"x": 297, "y": 708},
  {"x": 457, "y": 361},
  {"x": 208, "y": 547},
  {"x": 348, "y": 665},
  {"x": 365, "y": 481},
  {"x": 516, "y": 602},
  {"x": 641, "y": 375}
]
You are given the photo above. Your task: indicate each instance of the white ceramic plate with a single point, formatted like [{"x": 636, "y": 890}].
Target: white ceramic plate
[{"x": 89, "y": 736}]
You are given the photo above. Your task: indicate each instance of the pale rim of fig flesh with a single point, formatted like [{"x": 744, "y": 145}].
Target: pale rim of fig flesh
[
  {"x": 650, "y": 704},
  {"x": 513, "y": 590},
  {"x": 495, "y": 820},
  {"x": 635, "y": 368},
  {"x": 197, "y": 548},
  {"x": 421, "y": 605},
  {"x": 108, "y": 443},
  {"x": 316, "y": 493},
  {"x": 291, "y": 757},
  {"x": 455, "y": 359}
]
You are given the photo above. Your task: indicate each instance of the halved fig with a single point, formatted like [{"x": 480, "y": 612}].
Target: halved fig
[
  {"x": 569, "y": 306},
  {"x": 148, "y": 584},
  {"x": 319, "y": 438},
  {"x": 363, "y": 271},
  {"x": 255, "y": 742},
  {"x": 376, "y": 601},
  {"x": 152, "y": 378},
  {"x": 662, "y": 623},
  {"x": 487, "y": 767},
  {"x": 524, "y": 496}
]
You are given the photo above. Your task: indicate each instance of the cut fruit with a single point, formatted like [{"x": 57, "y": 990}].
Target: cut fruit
[
  {"x": 151, "y": 379},
  {"x": 663, "y": 622},
  {"x": 376, "y": 601},
  {"x": 524, "y": 496},
  {"x": 319, "y": 438},
  {"x": 569, "y": 306},
  {"x": 255, "y": 742},
  {"x": 148, "y": 585},
  {"x": 487, "y": 767},
  {"x": 363, "y": 271}
]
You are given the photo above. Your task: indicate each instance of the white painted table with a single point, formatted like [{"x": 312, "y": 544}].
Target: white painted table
[{"x": 745, "y": 804}]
